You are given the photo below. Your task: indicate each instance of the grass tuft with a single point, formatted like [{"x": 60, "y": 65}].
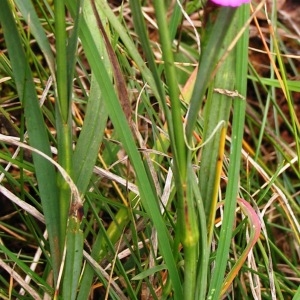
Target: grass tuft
[{"x": 149, "y": 150}]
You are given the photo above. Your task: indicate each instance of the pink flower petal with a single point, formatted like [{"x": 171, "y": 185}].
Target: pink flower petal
[{"x": 233, "y": 3}]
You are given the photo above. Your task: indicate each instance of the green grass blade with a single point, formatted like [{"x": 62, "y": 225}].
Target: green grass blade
[
  {"x": 65, "y": 63},
  {"x": 62, "y": 65},
  {"x": 91, "y": 134},
  {"x": 38, "y": 138},
  {"x": 24, "y": 267},
  {"x": 207, "y": 65},
  {"x": 294, "y": 118},
  {"x": 187, "y": 227},
  {"x": 297, "y": 294},
  {"x": 254, "y": 228},
  {"x": 73, "y": 262},
  {"x": 148, "y": 196},
  {"x": 175, "y": 20},
  {"x": 216, "y": 113},
  {"x": 201, "y": 279},
  {"x": 35, "y": 27},
  {"x": 178, "y": 143},
  {"x": 130, "y": 45},
  {"x": 103, "y": 244},
  {"x": 235, "y": 158},
  {"x": 71, "y": 237},
  {"x": 292, "y": 86}
]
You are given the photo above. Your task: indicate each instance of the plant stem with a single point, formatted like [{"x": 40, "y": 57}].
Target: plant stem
[
  {"x": 61, "y": 59},
  {"x": 63, "y": 120},
  {"x": 186, "y": 206}
]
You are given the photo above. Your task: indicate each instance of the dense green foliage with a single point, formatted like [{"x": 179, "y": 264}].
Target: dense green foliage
[{"x": 134, "y": 162}]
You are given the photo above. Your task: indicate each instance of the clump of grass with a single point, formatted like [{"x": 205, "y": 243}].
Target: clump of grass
[{"x": 134, "y": 162}]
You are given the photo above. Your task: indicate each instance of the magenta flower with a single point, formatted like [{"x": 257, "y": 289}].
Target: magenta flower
[{"x": 233, "y": 3}]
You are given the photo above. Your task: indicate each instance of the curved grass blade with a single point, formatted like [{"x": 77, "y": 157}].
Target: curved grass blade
[{"x": 255, "y": 227}]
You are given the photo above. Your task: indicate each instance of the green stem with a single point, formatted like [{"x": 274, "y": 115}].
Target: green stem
[
  {"x": 63, "y": 118},
  {"x": 171, "y": 78},
  {"x": 61, "y": 59},
  {"x": 64, "y": 142},
  {"x": 186, "y": 206},
  {"x": 190, "y": 236}
]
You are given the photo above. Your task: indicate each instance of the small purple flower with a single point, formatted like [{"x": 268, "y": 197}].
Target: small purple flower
[{"x": 233, "y": 3}]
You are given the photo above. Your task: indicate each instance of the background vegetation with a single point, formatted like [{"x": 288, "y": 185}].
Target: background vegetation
[{"x": 149, "y": 150}]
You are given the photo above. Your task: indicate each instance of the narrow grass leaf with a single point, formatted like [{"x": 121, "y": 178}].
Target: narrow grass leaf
[
  {"x": 23, "y": 266},
  {"x": 254, "y": 227},
  {"x": 91, "y": 134},
  {"x": 118, "y": 76},
  {"x": 38, "y": 136},
  {"x": 235, "y": 160},
  {"x": 72, "y": 46},
  {"x": 129, "y": 44},
  {"x": 148, "y": 195},
  {"x": 73, "y": 262},
  {"x": 66, "y": 47},
  {"x": 149, "y": 272},
  {"x": 144, "y": 40},
  {"x": 90, "y": 137},
  {"x": 297, "y": 294},
  {"x": 115, "y": 292},
  {"x": 103, "y": 245},
  {"x": 36, "y": 29},
  {"x": 207, "y": 64},
  {"x": 292, "y": 86}
]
